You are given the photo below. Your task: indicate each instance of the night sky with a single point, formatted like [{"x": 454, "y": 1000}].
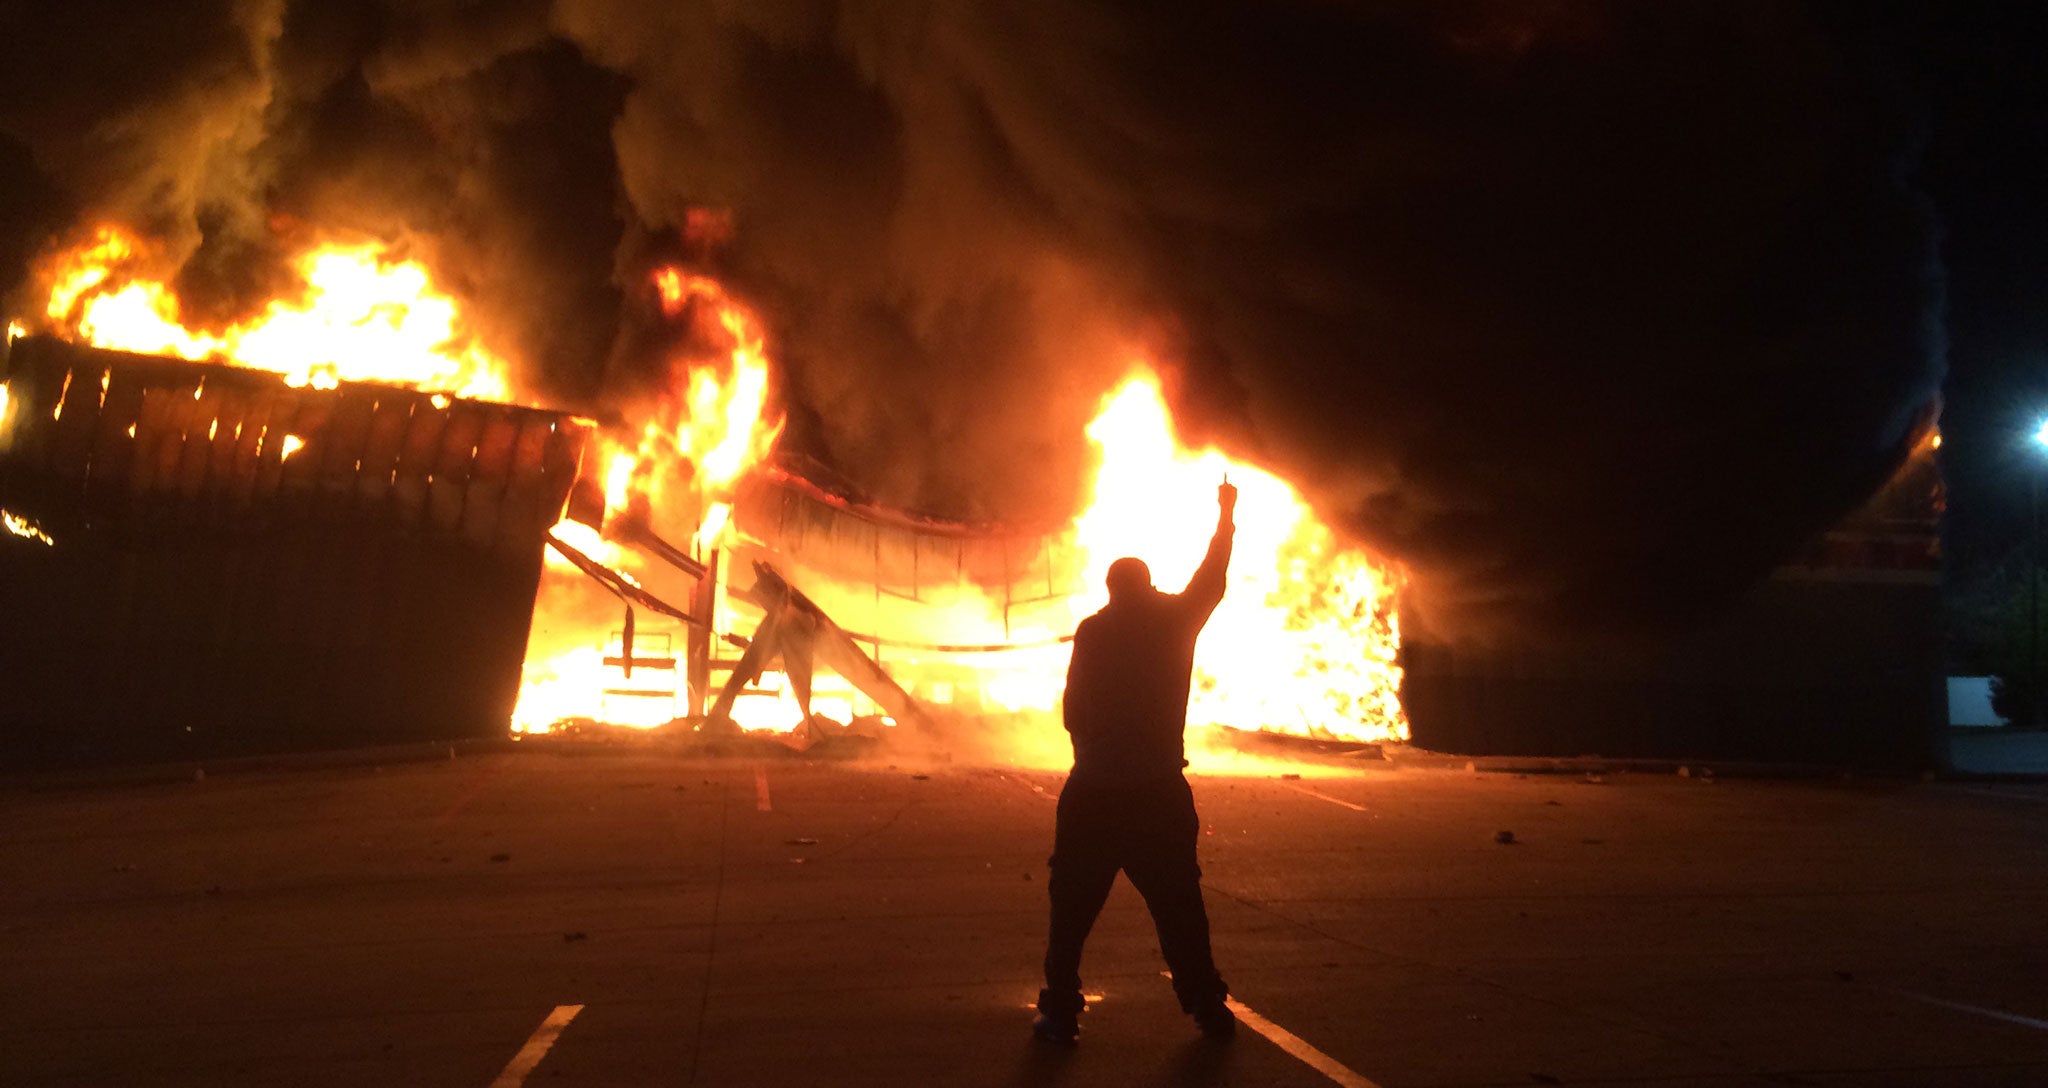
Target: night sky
[
  {"x": 1590, "y": 312},
  {"x": 1987, "y": 168}
]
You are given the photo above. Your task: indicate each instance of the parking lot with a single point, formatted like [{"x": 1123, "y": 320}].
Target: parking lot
[{"x": 564, "y": 916}]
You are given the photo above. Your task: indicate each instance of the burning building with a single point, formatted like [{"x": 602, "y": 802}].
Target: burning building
[
  {"x": 1561, "y": 322},
  {"x": 326, "y": 525},
  {"x": 214, "y": 558}
]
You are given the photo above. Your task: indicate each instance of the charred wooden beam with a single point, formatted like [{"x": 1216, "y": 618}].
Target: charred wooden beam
[{"x": 799, "y": 632}]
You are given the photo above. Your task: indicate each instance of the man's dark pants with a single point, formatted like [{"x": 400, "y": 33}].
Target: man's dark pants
[{"x": 1148, "y": 831}]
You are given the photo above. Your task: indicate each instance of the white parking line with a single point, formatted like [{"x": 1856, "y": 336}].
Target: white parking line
[
  {"x": 2002, "y": 795},
  {"x": 1033, "y": 786},
  {"x": 1976, "y": 1010},
  {"x": 1320, "y": 796},
  {"x": 536, "y": 1047},
  {"x": 1295, "y": 1046},
  {"x": 1298, "y": 1048},
  {"x": 761, "y": 803}
]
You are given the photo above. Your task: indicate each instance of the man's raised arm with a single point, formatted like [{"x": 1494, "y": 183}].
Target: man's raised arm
[{"x": 1205, "y": 589}]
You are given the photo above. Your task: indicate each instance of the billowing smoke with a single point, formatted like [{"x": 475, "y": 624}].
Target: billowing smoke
[
  {"x": 1588, "y": 311},
  {"x": 236, "y": 132}
]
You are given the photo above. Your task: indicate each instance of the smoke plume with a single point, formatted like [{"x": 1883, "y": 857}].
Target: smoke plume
[{"x": 1588, "y": 311}]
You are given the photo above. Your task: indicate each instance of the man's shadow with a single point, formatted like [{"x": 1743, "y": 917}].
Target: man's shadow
[
  {"x": 1198, "y": 1063},
  {"x": 1041, "y": 1064}
]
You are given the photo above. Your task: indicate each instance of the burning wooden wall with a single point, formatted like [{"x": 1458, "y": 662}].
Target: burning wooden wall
[{"x": 233, "y": 564}]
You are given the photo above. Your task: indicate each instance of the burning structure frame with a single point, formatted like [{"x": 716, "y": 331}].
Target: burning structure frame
[{"x": 235, "y": 564}]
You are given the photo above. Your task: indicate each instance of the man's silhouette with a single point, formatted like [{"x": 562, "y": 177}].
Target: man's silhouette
[{"x": 1126, "y": 805}]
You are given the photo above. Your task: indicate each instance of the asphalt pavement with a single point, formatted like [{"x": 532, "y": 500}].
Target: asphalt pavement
[{"x": 565, "y": 916}]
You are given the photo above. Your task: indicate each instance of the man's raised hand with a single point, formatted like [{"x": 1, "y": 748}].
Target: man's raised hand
[{"x": 1226, "y": 496}]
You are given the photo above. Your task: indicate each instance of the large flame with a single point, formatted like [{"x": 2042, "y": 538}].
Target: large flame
[
  {"x": 686, "y": 448},
  {"x": 360, "y": 314},
  {"x": 1306, "y": 639}
]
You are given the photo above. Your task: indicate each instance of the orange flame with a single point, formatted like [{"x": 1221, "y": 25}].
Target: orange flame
[
  {"x": 1306, "y": 640},
  {"x": 690, "y": 444},
  {"x": 362, "y": 315},
  {"x": 24, "y": 527}
]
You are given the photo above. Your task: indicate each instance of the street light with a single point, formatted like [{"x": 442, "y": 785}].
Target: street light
[{"x": 2034, "y": 581}]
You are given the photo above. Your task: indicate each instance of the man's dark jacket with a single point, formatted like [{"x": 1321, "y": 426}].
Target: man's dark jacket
[{"x": 1127, "y": 687}]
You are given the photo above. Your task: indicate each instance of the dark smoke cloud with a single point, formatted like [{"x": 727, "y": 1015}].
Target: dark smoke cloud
[
  {"x": 1588, "y": 311},
  {"x": 148, "y": 117},
  {"x": 234, "y": 132},
  {"x": 946, "y": 341}
]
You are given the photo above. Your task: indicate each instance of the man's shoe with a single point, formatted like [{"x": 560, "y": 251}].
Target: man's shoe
[
  {"x": 1216, "y": 1021},
  {"x": 1059, "y": 1028}
]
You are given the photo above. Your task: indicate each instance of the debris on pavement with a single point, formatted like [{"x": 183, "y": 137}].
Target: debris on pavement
[
  {"x": 501, "y": 857},
  {"x": 800, "y": 842},
  {"x": 1505, "y": 838}
]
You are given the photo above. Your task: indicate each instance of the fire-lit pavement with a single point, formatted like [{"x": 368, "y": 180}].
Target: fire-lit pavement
[{"x": 743, "y": 923}]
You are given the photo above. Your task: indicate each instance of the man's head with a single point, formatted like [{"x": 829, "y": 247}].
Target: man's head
[{"x": 1129, "y": 578}]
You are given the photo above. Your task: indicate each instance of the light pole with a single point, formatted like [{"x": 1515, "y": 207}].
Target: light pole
[{"x": 2034, "y": 582}]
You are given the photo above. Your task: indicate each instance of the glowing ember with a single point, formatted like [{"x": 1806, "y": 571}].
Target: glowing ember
[
  {"x": 25, "y": 528},
  {"x": 292, "y": 444},
  {"x": 361, "y": 315}
]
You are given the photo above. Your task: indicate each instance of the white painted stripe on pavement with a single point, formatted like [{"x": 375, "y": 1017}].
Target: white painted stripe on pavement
[
  {"x": 1294, "y": 1045},
  {"x": 1320, "y": 796},
  {"x": 536, "y": 1047},
  {"x": 1299, "y": 1048},
  {"x": 2002, "y": 795},
  {"x": 1033, "y": 787},
  {"x": 761, "y": 788},
  {"x": 1977, "y": 1010}
]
